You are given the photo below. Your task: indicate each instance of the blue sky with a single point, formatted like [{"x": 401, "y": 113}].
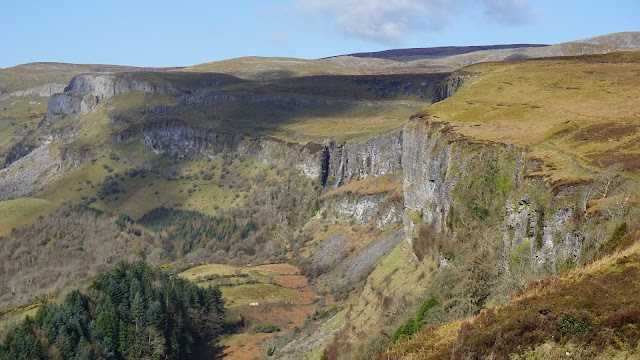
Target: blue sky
[{"x": 173, "y": 33}]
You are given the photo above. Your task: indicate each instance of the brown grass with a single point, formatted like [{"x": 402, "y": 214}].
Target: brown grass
[
  {"x": 604, "y": 296},
  {"x": 243, "y": 346},
  {"x": 292, "y": 281},
  {"x": 369, "y": 186},
  {"x": 576, "y": 114},
  {"x": 282, "y": 269}
]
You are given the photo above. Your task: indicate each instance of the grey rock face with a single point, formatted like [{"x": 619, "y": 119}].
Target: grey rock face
[
  {"x": 451, "y": 85},
  {"x": 428, "y": 159},
  {"x": 176, "y": 139},
  {"x": 85, "y": 91},
  {"x": 42, "y": 91},
  {"x": 18, "y": 151},
  {"x": 379, "y": 155},
  {"x": 434, "y": 164},
  {"x": 29, "y": 174},
  {"x": 362, "y": 209}
]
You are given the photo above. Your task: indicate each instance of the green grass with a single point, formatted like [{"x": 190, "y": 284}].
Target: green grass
[
  {"x": 17, "y": 117},
  {"x": 251, "y": 284},
  {"x": 386, "y": 285},
  {"x": 22, "y": 211},
  {"x": 333, "y": 324},
  {"x": 210, "y": 269}
]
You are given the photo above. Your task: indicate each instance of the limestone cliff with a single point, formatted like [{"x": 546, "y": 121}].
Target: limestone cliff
[
  {"x": 85, "y": 91},
  {"x": 359, "y": 159},
  {"x": 176, "y": 139},
  {"x": 441, "y": 176}
]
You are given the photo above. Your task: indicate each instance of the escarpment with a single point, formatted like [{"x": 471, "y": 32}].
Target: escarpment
[
  {"x": 84, "y": 92},
  {"x": 450, "y": 180},
  {"x": 442, "y": 180},
  {"x": 176, "y": 139}
]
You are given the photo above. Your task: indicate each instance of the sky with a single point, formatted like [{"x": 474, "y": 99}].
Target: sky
[{"x": 182, "y": 33}]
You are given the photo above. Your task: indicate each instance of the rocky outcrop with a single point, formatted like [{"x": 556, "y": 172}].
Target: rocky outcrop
[
  {"x": 382, "y": 209},
  {"x": 428, "y": 160},
  {"x": 554, "y": 235},
  {"x": 438, "y": 181},
  {"x": 42, "y": 91},
  {"x": 176, "y": 139},
  {"x": 84, "y": 92},
  {"x": 359, "y": 159},
  {"x": 19, "y": 150},
  {"x": 450, "y": 85},
  {"x": 306, "y": 158},
  {"x": 28, "y": 175}
]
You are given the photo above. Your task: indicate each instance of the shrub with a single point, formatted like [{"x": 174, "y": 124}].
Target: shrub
[
  {"x": 568, "y": 323},
  {"x": 413, "y": 325},
  {"x": 123, "y": 220},
  {"x": 616, "y": 236},
  {"x": 268, "y": 329}
]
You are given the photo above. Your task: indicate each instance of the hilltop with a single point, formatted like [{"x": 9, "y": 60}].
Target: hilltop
[{"x": 435, "y": 52}]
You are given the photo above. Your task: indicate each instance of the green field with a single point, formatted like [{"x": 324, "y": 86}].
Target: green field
[
  {"x": 22, "y": 211},
  {"x": 252, "y": 284}
]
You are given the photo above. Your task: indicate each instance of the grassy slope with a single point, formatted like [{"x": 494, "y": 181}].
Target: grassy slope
[
  {"x": 386, "y": 300},
  {"x": 30, "y": 75},
  {"x": 268, "y": 68},
  {"x": 18, "y": 116},
  {"x": 264, "y": 68},
  {"x": 22, "y": 211},
  {"x": 575, "y": 114},
  {"x": 251, "y": 284},
  {"x": 603, "y": 298}
]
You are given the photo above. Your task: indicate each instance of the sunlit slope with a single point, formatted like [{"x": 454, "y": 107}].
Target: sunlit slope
[
  {"x": 591, "y": 312},
  {"x": 576, "y": 114},
  {"x": 22, "y": 211},
  {"x": 264, "y": 68},
  {"x": 30, "y": 75}
]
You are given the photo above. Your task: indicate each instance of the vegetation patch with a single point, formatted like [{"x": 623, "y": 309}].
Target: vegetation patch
[
  {"x": 130, "y": 311},
  {"x": 532, "y": 103},
  {"x": 585, "y": 307},
  {"x": 373, "y": 185}
]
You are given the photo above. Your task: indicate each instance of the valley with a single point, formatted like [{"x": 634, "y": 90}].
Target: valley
[{"x": 402, "y": 205}]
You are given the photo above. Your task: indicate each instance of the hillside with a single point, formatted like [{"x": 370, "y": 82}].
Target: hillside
[
  {"x": 555, "y": 108},
  {"x": 589, "y": 313},
  {"x": 316, "y": 190}
]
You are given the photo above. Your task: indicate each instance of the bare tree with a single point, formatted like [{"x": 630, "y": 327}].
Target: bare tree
[{"x": 609, "y": 181}]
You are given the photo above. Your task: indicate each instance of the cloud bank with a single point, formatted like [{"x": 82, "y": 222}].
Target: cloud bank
[{"x": 389, "y": 21}]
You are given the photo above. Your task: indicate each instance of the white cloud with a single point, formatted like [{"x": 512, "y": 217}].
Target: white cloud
[
  {"x": 510, "y": 12},
  {"x": 389, "y": 21}
]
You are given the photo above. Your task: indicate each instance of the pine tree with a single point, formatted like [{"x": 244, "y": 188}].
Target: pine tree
[{"x": 138, "y": 311}]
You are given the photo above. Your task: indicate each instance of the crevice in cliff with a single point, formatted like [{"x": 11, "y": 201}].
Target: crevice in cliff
[{"x": 324, "y": 166}]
